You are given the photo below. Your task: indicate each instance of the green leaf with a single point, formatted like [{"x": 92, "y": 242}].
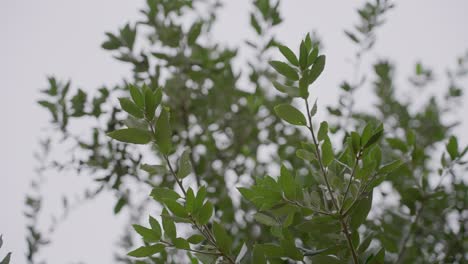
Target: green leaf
[
  {"x": 452, "y": 147},
  {"x": 287, "y": 182},
  {"x": 272, "y": 250},
  {"x": 290, "y": 114},
  {"x": 265, "y": 219},
  {"x": 120, "y": 204},
  {"x": 374, "y": 138},
  {"x": 146, "y": 251},
  {"x": 360, "y": 211},
  {"x": 150, "y": 103},
  {"x": 396, "y": 143},
  {"x": 199, "y": 199},
  {"x": 137, "y": 96},
  {"x": 289, "y": 55},
  {"x": 223, "y": 240},
  {"x": 189, "y": 200},
  {"x": 196, "y": 239},
  {"x": 163, "y": 132},
  {"x": 131, "y": 108},
  {"x": 155, "y": 226},
  {"x": 390, "y": 167},
  {"x": 181, "y": 243},
  {"x": 285, "y": 70},
  {"x": 194, "y": 32},
  {"x": 162, "y": 193},
  {"x": 6, "y": 259},
  {"x": 327, "y": 152},
  {"x": 148, "y": 234},
  {"x": 313, "y": 111},
  {"x": 317, "y": 69},
  {"x": 312, "y": 56},
  {"x": 176, "y": 208},
  {"x": 289, "y": 90},
  {"x": 168, "y": 225},
  {"x": 153, "y": 169},
  {"x": 290, "y": 249},
  {"x": 205, "y": 213},
  {"x": 254, "y": 23},
  {"x": 185, "y": 167},
  {"x": 131, "y": 135},
  {"x": 355, "y": 142},
  {"x": 323, "y": 131},
  {"x": 258, "y": 256},
  {"x": 305, "y": 155},
  {"x": 303, "y": 54}
]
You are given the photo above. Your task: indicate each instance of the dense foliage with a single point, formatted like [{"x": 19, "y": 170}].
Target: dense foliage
[{"x": 238, "y": 165}]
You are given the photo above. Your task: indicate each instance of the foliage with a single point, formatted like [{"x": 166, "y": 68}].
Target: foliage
[{"x": 190, "y": 131}]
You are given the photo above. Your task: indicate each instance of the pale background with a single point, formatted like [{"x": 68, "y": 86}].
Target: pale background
[{"x": 60, "y": 37}]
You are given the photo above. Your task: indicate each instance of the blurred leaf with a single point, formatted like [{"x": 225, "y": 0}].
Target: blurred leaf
[{"x": 131, "y": 135}]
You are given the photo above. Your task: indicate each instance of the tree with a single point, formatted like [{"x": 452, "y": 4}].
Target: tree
[{"x": 188, "y": 110}]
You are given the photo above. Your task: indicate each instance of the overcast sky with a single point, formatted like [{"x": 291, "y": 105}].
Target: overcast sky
[{"x": 60, "y": 37}]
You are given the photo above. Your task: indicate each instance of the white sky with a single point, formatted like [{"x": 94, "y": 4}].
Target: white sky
[{"x": 63, "y": 38}]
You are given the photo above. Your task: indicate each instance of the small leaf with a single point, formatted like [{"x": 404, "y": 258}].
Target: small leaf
[
  {"x": 355, "y": 142},
  {"x": 155, "y": 226},
  {"x": 317, "y": 69},
  {"x": 312, "y": 56},
  {"x": 196, "y": 239},
  {"x": 137, "y": 96},
  {"x": 147, "y": 251},
  {"x": 303, "y": 54},
  {"x": 396, "y": 143},
  {"x": 163, "y": 132},
  {"x": 150, "y": 104},
  {"x": 254, "y": 23},
  {"x": 153, "y": 169},
  {"x": 265, "y": 219},
  {"x": 452, "y": 147},
  {"x": 131, "y": 135},
  {"x": 223, "y": 240},
  {"x": 287, "y": 183},
  {"x": 305, "y": 155},
  {"x": 185, "y": 167},
  {"x": 390, "y": 167},
  {"x": 120, "y": 204},
  {"x": 285, "y": 70},
  {"x": 147, "y": 234},
  {"x": 205, "y": 213},
  {"x": 313, "y": 111},
  {"x": 289, "y": 90},
  {"x": 374, "y": 138},
  {"x": 181, "y": 243},
  {"x": 323, "y": 131},
  {"x": 194, "y": 32},
  {"x": 131, "y": 108},
  {"x": 163, "y": 193},
  {"x": 176, "y": 208},
  {"x": 169, "y": 227},
  {"x": 290, "y": 114},
  {"x": 289, "y": 55},
  {"x": 327, "y": 152},
  {"x": 360, "y": 211}
]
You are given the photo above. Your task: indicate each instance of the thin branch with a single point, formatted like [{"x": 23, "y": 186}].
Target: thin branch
[
  {"x": 324, "y": 173},
  {"x": 319, "y": 157},
  {"x": 403, "y": 247},
  {"x": 356, "y": 163}
]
